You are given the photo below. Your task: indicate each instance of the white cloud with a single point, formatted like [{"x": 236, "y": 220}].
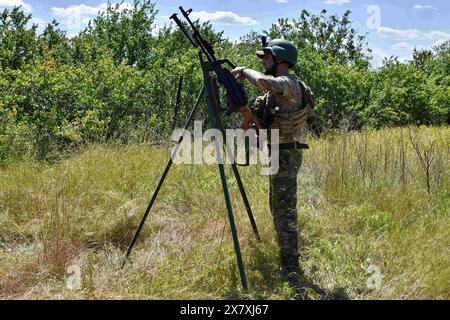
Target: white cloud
[
  {"x": 160, "y": 22},
  {"x": 402, "y": 46},
  {"x": 338, "y": 2},
  {"x": 86, "y": 20},
  {"x": 437, "y": 35},
  {"x": 399, "y": 34},
  {"x": 75, "y": 17},
  {"x": 406, "y": 42},
  {"x": 223, "y": 17},
  {"x": 411, "y": 34},
  {"x": 379, "y": 54},
  {"x": 83, "y": 10},
  {"x": 41, "y": 24},
  {"x": 16, "y": 3},
  {"x": 424, "y": 7},
  {"x": 282, "y": 1},
  {"x": 438, "y": 43},
  {"x": 78, "y": 10},
  {"x": 72, "y": 35}
]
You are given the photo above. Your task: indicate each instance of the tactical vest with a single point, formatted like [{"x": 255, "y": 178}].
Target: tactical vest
[{"x": 291, "y": 122}]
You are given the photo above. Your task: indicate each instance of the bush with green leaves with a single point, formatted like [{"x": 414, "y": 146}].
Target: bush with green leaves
[
  {"x": 117, "y": 79},
  {"x": 409, "y": 93}
]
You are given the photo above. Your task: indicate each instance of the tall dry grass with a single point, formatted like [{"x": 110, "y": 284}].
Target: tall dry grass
[{"x": 374, "y": 198}]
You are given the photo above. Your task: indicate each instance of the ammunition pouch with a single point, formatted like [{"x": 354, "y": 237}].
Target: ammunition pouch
[
  {"x": 265, "y": 117},
  {"x": 286, "y": 120}
]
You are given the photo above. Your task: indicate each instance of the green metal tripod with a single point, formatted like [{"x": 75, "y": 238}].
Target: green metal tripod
[{"x": 211, "y": 93}]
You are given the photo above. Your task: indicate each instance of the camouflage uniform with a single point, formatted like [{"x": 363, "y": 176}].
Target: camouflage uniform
[
  {"x": 285, "y": 93},
  {"x": 283, "y": 206}
]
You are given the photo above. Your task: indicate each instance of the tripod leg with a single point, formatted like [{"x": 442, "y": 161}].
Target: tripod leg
[
  {"x": 240, "y": 184},
  {"x": 211, "y": 106},
  {"x": 163, "y": 177},
  {"x": 226, "y": 147},
  {"x": 245, "y": 199},
  {"x": 237, "y": 248},
  {"x": 177, "y": 103}
]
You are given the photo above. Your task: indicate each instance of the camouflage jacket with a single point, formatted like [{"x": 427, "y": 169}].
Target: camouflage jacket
[{"x": 285, "y": 93}]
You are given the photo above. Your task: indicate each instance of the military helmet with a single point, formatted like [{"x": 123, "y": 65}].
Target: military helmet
[{"x": 281, "y": 49}]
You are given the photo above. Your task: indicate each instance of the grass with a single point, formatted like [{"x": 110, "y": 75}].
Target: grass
[{"x": 376, "y": 198}]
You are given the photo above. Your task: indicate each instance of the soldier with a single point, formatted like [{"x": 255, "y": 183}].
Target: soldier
[{"x": 283, "y": 106}]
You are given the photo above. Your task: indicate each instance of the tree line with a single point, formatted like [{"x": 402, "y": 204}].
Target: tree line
[{"x": 116, "y": 80}]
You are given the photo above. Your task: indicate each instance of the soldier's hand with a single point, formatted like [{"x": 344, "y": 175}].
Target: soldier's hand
[
  {"x": 249, "y": 119},
  {"x": 237, "y": 73}
]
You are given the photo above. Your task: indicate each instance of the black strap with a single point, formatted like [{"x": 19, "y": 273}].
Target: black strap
[{"x": 291, "y": 146}]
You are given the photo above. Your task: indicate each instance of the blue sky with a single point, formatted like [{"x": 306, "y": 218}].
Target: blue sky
[{"x": 393, "y": 28}]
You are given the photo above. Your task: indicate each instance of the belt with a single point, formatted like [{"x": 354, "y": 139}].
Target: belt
[{"x": 291, "y": 146}]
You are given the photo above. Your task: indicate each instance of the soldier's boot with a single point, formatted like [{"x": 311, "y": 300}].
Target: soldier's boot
[
  {"x": 289, "y": 264},
  {"x": 300, "y": 289},
  {"x": 294, "y": 276},
  {"x": 296, "y": 282}
]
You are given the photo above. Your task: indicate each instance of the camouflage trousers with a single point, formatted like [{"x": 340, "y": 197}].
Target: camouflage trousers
[{"x": 283, "y": 206}]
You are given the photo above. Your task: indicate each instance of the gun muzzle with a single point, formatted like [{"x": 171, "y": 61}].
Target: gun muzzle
[{"x": 174, "y": 17}]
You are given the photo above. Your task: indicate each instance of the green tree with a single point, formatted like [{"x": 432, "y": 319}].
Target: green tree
[
  {"x": 332, "y": 36},
  {"x": 18, "y": 43},
  {"x": 127, "y": 33},
  {"x": 55, "y": 40}
]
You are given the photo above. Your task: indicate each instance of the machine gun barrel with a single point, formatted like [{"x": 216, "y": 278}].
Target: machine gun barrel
[
  {"x": 236, "y": 94},
  {"x": 174, "y": 17}
]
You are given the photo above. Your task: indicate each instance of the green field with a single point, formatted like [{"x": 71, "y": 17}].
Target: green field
[{"x": 373, "y": 198}]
